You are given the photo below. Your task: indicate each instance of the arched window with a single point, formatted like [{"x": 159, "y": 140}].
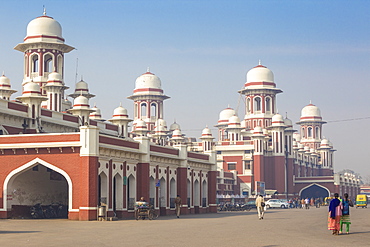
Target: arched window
[
  {"x": 35, "y": 63},
  {"x": 143, "y": 110},
  {"x": 317, "y": 132},
  {"x": 309, "y": 132},
  {"x": 248, "y": 105},
  {"x": 60, "y": 65},
  {"x": 48, "y": 63},
  {"x": 257, "y": 104},
  {"x": 268, "y": 104},
  {"x": 153, "y": 110}
]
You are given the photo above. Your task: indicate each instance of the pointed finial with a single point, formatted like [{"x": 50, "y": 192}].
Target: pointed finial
[
  {"x": 44, "y": 12},
  {"x": 147, "y": 69},
  {"x": 259, "y": 62},
  {"x": 286, "y": 114},
  {"x": 174, "y": 120},
  {"x": 82, "y": 78},
  {"x": 3, "y": 73},
  {"x": 120, "y": 104},
  {"x": 310, "y": 102}
]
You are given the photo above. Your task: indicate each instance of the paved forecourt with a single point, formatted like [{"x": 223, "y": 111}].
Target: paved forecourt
[{"x": 280, "y": 227}]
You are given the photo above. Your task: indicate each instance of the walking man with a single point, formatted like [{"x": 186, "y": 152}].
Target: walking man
[
  {"x": 177, "y": 205},
  {"x": 260, "y": 203}
]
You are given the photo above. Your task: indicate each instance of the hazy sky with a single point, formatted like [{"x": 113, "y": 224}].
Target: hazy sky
[{"x": 202, "y": 50}]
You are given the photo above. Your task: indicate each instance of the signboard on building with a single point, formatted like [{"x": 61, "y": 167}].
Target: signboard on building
[{"x": 260, "y": 188}]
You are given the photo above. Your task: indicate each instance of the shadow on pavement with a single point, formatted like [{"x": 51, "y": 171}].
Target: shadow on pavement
[{"x": 7, "y": 232}]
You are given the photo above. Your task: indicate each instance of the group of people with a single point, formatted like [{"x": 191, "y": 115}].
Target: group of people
[
  {"x": 304, "y": 202},
  {"x": 339, "y": 214}
]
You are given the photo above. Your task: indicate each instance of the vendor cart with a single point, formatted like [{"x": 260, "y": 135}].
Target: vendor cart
[{"x": 144, "y": 210}]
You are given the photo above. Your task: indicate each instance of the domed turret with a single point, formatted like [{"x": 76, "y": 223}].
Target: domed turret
[
  {"x": 5, "y": 88},
  {"x": 310, "y": 112},
  {"x": 288, "y": 123},
  {"x": 44, "y": 29},
  {"x": 4, "y": 82},
  {"x": 55, "y": 77},
  {"x": 148, "y": 80},
  {"x": 148, "y": 99},
  {"x": 260, "y": 73},
  {"x": 177, "y": 136},
  {"x": 119, "y": 113},
  {"x": 96, "y": 114},
  {"x": 225, "y": 115},
  {"x": 234, "y": 120},
  {"x": 120, "y": 118},
  {"x": 82, "y": 88},
  {"x": 277, "y": 120},
  {"x": 175, "y": 126},
  {"x": 140, "y": 127}
]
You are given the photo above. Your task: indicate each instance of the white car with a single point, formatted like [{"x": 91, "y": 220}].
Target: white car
[{"x": 276, "y": 203}]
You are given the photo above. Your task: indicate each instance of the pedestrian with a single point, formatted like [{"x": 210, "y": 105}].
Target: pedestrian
[
  {"x": 177, "y": 205},
  {"x": 302, "y": 203},
  {"x": 260, "y": 203},
  {"x": 335, "y": 212},
  {"x": 345, "y": 213},
  {"x": 307, "y": 203}
]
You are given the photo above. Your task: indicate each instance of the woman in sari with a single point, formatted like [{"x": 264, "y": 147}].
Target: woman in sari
[
  {"x": 345, "y": 213},
  {"x": 335, "y": 212}
]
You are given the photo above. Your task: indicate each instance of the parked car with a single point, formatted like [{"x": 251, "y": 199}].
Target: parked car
[
  {"x": 250, "y": 204},
  {"x": 276, "y": 203}
]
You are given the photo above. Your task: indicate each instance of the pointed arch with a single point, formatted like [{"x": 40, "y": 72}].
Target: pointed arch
[
  {"x": 323, "y": 188},
  {"x": 37, "y": 161}
]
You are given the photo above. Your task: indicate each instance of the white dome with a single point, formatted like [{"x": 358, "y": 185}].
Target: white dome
[
  {"x": 55, "y": 76},
  {"x": 31, "y": 87},
  {"x": 234, "y": 120},
  {"x": 206, "y": 132},
  {"x": 120, "y": 112},
  {"x": 175, "y": 126},
  {"x": 82, "y": 85},
  {"x": 288, "y": 122},
  {"x": 96, "y": 113},
  {"x": 260, "y": 73},
  {"x": 81, "y": 101},
  {"x": 257, "y": 130},
  {"x": 277, "y": 120},
  {"x": 4, "y": 81},
  {"x": 148, "y": 80},
  {"x": 226, "y": 114},
  {"x": 324, "y": 142},
  {"x": 140, "y": 123},
  {"x": 310, "y": 111},
  {"x": 176, "y": 132},
  {"x": 160, "y": 122},
  {"x": 44, "y": 26}
]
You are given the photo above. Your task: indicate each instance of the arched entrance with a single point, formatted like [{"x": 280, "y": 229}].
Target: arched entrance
[
  {"x": 37, "y": 182},
  {"x": 314, "y": 191}
]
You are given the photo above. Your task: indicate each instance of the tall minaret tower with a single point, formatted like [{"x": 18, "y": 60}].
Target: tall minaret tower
[
  {"x": 44, "y": 51},
  {"x": 311, "y": 126},
  {"x": 148, "y": 99},
  {"x": 260, "y": 97}
]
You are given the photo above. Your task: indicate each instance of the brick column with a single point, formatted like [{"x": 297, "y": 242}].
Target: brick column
[
  {"x": 212, "y": 190},
  {"x": 182, "y": 188},
  {"x": 142, "y": 181}
]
